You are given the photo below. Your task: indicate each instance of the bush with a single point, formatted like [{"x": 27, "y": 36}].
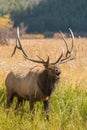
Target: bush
[{"x": 7, "y": 31}]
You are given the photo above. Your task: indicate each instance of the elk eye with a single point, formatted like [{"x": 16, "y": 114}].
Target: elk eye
[{"x": 57, "y": 72}]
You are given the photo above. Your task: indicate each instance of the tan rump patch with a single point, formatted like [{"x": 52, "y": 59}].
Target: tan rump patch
[{"x": 47, "y": 98}]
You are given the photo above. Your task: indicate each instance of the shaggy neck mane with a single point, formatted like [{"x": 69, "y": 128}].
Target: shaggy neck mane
[{"x": 46, "y": 83}]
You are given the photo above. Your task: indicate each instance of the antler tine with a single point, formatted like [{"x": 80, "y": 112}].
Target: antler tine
[
  {"x": 67, "y": 59},
  {"x": 14, "y": 50},
  {"x": 40, "y": 58},
  {"x": 59, "y": 59},
  {"x": 68, "y": 51},
  {"x": 44, "y": 62},
  {"x": 20, "y": 46},
  {"x": 48, "y": 59},
  {"x": 72, "y": 35},
  {"x": 16, "y": 46}
]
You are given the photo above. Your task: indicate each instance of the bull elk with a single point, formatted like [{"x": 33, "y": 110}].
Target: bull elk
[{"x": 39, "y": 83}]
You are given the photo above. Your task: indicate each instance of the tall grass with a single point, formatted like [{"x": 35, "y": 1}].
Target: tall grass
[
  {"x": 68, "y": 111},
  {"x": 68, "y": 108}
]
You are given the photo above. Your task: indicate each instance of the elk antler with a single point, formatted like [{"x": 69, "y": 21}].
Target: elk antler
[
  {"x": 60, "y": 59},
  {"x": 67, "y": 57},
  {"x": 19, "y": 46}
]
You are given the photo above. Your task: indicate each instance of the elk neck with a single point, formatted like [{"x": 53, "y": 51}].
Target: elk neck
[{"x": 46, "y": 82}]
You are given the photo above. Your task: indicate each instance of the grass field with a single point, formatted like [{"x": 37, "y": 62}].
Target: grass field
[{"x": 69, "y": 101}]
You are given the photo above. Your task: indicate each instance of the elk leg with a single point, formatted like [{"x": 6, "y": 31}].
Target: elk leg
[
  {"x": 19, "y": 103},
  {"x": 9, "y": 99},
  {"x": 46, "y": 108},
  {"x": 32, "y": 107}
]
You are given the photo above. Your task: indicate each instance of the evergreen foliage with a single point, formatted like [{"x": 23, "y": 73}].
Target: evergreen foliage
[{"x": 47, "y": 15}]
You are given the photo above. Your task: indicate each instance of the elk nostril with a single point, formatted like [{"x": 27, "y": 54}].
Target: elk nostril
[{"x": 57, "y": 74}]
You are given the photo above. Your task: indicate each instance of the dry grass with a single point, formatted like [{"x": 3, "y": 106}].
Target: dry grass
[
  {"x": 73, "y": 71},
  {"x": 69, "y": 101}
]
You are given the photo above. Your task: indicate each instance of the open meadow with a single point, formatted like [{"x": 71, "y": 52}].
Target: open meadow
[{"x": 69, "y": 101}]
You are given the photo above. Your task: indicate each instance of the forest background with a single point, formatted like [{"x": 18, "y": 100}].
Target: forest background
[{"x": 41, "y": 16}]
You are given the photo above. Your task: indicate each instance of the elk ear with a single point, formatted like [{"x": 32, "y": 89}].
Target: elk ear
[
  {"x": 47, "y": 60},
  {"x": 46, "y": 64}
]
